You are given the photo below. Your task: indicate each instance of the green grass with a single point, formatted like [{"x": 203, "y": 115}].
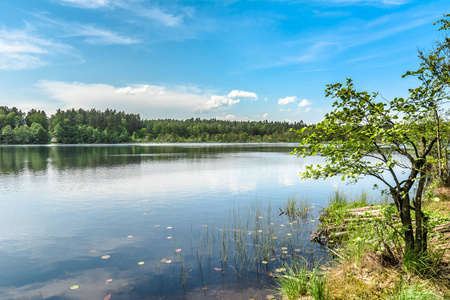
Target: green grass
[
  {"x": 414, "y": 291},
  {"x": 294, "y": 283}
]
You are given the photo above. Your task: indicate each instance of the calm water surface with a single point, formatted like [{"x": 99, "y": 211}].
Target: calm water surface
[{"x": 182, "y": 221}]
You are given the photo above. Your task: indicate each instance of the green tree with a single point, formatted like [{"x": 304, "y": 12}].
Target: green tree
[
  {"x": 37, "y": 116},
  {"x": 38, "y": 135},
  {"x": 364, "y": 137}
]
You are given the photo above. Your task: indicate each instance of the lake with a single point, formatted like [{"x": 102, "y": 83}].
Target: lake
[{"x": 154, "y": 221}]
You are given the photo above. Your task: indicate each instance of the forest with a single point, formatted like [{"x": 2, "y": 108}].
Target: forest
[{"x": 110, "y": 126}]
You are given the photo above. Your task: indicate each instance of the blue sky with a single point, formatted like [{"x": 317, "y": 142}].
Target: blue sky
[{"x": 235, "y": 60}]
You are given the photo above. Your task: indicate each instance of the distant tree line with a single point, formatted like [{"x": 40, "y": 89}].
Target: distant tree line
[{"x": 110, "y": 126}]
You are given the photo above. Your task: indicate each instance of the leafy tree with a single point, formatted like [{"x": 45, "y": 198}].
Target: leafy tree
[
  {"x": 38, "y": 134},
  {"x": 37, "y": 116},
  {"x": 368, "y": 140},
  {"x": 7, "y": 135}
]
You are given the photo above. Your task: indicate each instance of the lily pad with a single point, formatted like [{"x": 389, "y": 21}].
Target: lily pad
[
  {"x": 177, "y": 250},
  {"x": 105, "y": 256},
  {"x": 169, "y": 237},
  {"x": 74, "y": 287},
  {"x": 141, "y": 263}
]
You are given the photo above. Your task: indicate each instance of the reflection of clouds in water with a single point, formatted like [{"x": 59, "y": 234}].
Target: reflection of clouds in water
[
  {"x": 288, "y": 179},
  {"x": 91, "y": 286},
  {"x": 242, "y": 184}
]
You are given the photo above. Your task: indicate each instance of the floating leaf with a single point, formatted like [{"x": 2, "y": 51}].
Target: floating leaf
[
  {"x": 260, "y": 217},
  {"x": 169, "y": 227},
  {"x": 270, "y": 297},
  {"x": 144, "y": 214},
  {"x": 169, "y": 237},
  {"x": 141, "y": 263},
  {"x": 107, "y": 297},
  {"x": 163, "y": 260},
  {"x": 313, "y": 220},
  {"x": 282, "y": 225},
  {"x": 279, "y": 270},
  {"x": 130, "y": 236},
  {"x": 156, "y": 225},
  {"x": 289, "y": 234},
  {"x": 260, "y": 230},
  {"x": 74, "y": 287},
  {"x": 271, "y": 223},
  {"x": 177, "y": 250},
  {"x": 92, "y": 251},
  {"x": 435, "y": 199},
  {"x": 274, "y": 238},
  {"x": 168, "y": 261},
  {"x": 285, "y": 252},
  {"x": 297, "y": 250},
  {"x": 264, "y": 262},
  {"x": 283, "y": 248},
  {"x": 217, "y": 269},
  {"x": 109, "y": 280},
  {"x": 105, "y": 256}
]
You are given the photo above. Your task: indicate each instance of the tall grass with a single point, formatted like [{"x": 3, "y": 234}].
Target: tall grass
[
  {"x": 414, "y": 291},
  {"x": 294, "y": 283}
]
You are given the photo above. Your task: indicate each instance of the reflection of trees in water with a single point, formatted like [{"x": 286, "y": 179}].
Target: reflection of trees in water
[{"x": 16, "y": 159}]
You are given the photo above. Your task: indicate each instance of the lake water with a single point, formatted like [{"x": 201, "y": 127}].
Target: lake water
[{"x": 187, "y": 221}]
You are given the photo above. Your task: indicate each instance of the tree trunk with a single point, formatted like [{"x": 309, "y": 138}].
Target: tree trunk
[
  {"x": 421, "y": 239},
  {"x": 421, "y": 234},
  {"x": 404, "y": 210},
  {"x": 405, "y": 217},
  {"x": 439, "y": 149}
]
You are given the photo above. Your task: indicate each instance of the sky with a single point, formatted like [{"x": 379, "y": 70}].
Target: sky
[{"x": 233, "y": 60}]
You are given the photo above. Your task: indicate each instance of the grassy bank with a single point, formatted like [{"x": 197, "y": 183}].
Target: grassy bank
[{"x": 369, "y": 262}]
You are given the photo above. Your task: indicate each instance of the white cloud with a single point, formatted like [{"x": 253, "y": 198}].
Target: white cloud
[
  {"x": 100, "y": 36},
  {"x": 151, "y": 101},
  {"x": 150, "y": 13},
  {"x": 287, "y": 100},
  {"x": 215, "y": 102},
  {"x": 140, "y": 89},
  {"x": 23, "y": 49},
  {"x": 304, "y": 103},
  {"x": 265, "y": 115},
  {"x": 87, "y": 3},
  {"x": 308, "y": 109},
  {"x": 242, "y": 94},
  {"x": 232, "y": 118}
]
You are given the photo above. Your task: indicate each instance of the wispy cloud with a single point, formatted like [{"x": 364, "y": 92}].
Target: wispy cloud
[
  {"x": 87, "y": 3},
  {"x": 152, "y": 12},
  {"x": 370, "y": 2},
  {"x": 24, "y": 49},
  {"x": 99, "y": 36}
]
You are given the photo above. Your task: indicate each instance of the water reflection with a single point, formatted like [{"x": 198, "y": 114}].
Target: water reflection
[
  {"x": 16, "y": 159},
  {"x": 64, "y": 207}
]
